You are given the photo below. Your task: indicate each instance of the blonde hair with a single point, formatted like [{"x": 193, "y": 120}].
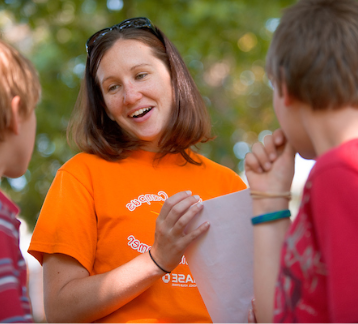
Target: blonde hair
[{"x": 18, "y": 77}]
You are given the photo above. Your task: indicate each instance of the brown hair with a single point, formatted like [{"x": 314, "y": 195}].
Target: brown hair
[
  {"x": 18, "y": 78},
  {"x": 314, "y": 52},
  {"x": 94, "y": 132}
]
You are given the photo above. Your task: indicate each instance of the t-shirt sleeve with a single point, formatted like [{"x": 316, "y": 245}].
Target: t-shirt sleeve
[
  {"x": 67, "y": 223},
  {"x": 335, "y": 210},
  {"x": 238, "y": 183},
  {"x": 229, "y": 180},
  {"x": 233, "y": 183}
]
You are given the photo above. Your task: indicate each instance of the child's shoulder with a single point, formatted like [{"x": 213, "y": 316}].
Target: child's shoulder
[
  {"x": 344, "y": 156},
  {"x": 7, "y": 207}
]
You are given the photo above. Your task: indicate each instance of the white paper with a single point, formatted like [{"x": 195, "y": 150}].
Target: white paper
[{"x": 221, "y": 261}]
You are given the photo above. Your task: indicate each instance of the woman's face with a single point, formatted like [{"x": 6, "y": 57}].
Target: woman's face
[{"x": 136, "y": 88}]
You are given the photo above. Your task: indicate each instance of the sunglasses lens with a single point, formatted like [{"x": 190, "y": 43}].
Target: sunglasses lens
[
  {"x": 94, "y": 37},
  {"x": 136, "y": 23}
]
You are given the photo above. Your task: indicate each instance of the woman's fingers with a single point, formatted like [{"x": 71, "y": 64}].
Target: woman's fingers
[
  {"x": 183, "y": 220},
  {"x": 176, "y": 213},
  {"x": 171, "y": 202},
  {"x": 193, "y": 235},
  {"x": 253, "y": 303},
  {"x": 179, "y": 217},
  {"x": 170, "y": 237},
  {"x": 185, "y": 238},
  {"x": 252, "y": 312},
  {"x": 251, "y": 317}
]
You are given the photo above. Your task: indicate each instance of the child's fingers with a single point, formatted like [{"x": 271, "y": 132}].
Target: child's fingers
[
  {"x": 252, "y": 163},
  {"x": 261, "y": 155},
  {"x": 271, "y": 148},
  {"x": 279, "y": 137}
]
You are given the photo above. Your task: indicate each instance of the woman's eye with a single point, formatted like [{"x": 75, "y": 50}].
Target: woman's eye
[
  {"x": 141, "y": 76},
  {"x": 113, "y": 87}
]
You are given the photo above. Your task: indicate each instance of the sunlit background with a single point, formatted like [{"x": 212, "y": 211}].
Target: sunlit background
[{"x": 222, "y": 42}]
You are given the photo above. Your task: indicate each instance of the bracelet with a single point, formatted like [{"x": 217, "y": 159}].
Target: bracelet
[
  {"x": 150, "y": 254},
  {"x": 260, "y": 194},
  {"x": 271, "y": 216}
]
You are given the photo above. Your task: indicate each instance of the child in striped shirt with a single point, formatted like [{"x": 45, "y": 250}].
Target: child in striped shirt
[{"x": 19, "y": 94}]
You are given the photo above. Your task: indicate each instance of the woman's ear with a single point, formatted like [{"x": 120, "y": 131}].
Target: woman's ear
[{"x": 15, "y": 115}]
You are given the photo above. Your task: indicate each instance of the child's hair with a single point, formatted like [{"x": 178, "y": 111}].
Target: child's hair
[
  {"x": 18, "y": 77},
  {"x": 314, "y": 52}
]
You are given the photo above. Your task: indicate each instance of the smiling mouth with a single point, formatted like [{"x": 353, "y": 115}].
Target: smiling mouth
[{"x": 141, "y": 112}]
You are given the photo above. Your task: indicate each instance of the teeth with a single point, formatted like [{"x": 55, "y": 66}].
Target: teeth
[{"x": 140, "y": 111}]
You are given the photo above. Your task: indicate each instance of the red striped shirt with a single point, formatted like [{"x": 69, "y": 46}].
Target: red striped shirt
[{"x": 14, "y": 299}]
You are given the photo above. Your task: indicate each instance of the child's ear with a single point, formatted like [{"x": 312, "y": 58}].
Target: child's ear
[
  {"x": 15, "y": 120},
  {"x": 287, "y": 98}
]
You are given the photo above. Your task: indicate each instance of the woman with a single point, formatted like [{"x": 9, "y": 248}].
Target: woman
[{"x": 107, "y": 255}]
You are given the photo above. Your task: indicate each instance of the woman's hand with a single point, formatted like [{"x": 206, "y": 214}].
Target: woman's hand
[
  {"x": 252, "y": 312},
  {"x": 171, "y": 240}
]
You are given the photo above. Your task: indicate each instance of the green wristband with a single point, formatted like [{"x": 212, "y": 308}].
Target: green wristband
[{"x": 271, "y": 216}]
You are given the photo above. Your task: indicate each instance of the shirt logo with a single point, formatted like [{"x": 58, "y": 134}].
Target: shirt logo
[{"x": 146, "y": 199}]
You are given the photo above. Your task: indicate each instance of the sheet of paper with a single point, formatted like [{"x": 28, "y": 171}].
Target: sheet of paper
[{"x": 221, "y": 261}]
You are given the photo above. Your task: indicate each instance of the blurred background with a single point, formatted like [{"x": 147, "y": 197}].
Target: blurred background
[{"x": 222, "y": 42}]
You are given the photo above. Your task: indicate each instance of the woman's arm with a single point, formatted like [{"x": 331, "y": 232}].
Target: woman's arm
[
  {"x": 72, "y": 295},
  {"x": 269, "y": 169}
]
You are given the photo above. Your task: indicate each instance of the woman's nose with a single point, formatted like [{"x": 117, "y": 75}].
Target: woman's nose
[{"x": 131, "y": 94}]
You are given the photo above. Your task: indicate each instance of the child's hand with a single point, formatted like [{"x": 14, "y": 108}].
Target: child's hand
[{"x": 270, "y": 167}]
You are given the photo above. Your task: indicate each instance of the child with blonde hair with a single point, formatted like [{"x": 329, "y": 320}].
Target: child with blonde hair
[{"x": 19, "y": 94}]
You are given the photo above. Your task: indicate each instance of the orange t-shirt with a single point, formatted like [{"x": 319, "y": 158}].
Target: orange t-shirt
[{"x": 103, "y": 214}]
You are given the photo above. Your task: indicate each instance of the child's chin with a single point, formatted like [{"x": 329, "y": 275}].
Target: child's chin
[{"x": 308, "y": 155}]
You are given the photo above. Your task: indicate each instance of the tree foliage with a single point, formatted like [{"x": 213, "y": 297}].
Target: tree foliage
[{"x": 222, "y": 42}]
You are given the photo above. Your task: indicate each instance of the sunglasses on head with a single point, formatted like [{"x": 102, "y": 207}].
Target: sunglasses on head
[{"x": 139, "y": 22}]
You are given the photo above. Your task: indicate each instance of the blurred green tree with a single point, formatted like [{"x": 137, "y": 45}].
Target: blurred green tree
[{"x": 223, "y": 43}]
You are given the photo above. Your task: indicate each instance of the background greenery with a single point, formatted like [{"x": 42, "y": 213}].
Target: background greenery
[{"x": 223, "y": 43}]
